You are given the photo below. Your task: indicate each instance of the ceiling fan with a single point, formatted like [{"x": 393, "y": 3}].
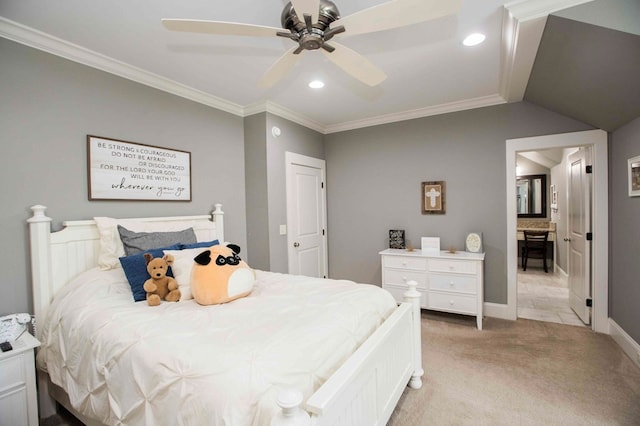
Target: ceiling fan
[{"x": 310, "y": 23}]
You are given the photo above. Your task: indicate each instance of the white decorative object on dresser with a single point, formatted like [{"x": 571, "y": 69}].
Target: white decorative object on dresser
[
  {"x": 449, "y": 282},
  {"x": 18, "y": 397}
]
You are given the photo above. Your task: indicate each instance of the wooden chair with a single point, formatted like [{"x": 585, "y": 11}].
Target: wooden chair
[{"x": 535, "y": 246}]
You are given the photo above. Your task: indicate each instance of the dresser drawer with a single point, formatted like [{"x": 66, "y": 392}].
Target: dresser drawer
[
  {"x": 400, "y": 277},
  {"x": 398, "y": 293},
  {"x": 452, "y": 303},
  {"x": 12, "y": 373},
  {"x": 405, "y": 262},
  {"x": 455, "y": 283},
  {"x": 457, "y": 266}
]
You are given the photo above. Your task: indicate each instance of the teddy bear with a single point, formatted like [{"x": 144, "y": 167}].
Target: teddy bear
[
  {"x": 220, "y": 276},
  {"x": 160, "y": 286}
]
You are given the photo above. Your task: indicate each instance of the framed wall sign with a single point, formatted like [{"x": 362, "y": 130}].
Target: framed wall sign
[
  {"x": 120, "y": 170},
  {"x": 634, "y": 176},
  {"x": 433, "y": 197}
]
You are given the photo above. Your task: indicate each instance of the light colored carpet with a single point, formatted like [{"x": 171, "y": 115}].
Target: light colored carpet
[{"x": 520, "y": 372}]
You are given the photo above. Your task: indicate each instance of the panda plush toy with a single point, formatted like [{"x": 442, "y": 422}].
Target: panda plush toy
[{"x": 220, "y": 276}]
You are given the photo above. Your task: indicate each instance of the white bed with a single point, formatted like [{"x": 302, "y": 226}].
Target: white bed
[{"x": 357, "y": 382}]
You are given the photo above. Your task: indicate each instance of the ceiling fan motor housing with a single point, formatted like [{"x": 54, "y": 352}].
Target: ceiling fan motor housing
[{"x": 310, "y": 37}]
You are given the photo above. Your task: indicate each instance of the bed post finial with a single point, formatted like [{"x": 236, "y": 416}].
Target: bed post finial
[
  {"x": 38, "y": 214},
  {"x": 413, "y": 296},
  {"x": 292, "y": 414}
]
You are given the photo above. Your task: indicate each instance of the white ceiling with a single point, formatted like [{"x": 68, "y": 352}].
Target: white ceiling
[{"x": 429, "y": 70}]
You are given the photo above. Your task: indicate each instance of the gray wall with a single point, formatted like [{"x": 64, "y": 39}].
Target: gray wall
[
  {"x": 624, "y": 253},
  {"x": 47, "y": 108},
  {"x": 266, "y": 181},
  {"x": 374, "y": 177},
  {"x": 257, "y": 197}
]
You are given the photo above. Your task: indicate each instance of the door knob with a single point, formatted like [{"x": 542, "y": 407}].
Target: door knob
[
  {"x": 296, "y": 244},
  {"x": 567, "y": 239}
]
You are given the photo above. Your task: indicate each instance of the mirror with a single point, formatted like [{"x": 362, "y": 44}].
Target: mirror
[{"x": 531, "y": 195}]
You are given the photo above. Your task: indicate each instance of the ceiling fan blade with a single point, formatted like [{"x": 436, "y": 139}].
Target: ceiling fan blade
[
  {"x": 355, "y": 65},
  {"x": 397, "y": 13},
  {"x": 307, "y": 7},
  {"x": 221, "y": 28},
  {"x": 279, "y": 69}
]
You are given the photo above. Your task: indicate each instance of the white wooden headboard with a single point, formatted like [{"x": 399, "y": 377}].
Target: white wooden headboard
[{"x": 57, "y": 257}]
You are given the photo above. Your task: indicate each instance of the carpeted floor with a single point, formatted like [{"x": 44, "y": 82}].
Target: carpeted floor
[{"x": 520, "y": 372}]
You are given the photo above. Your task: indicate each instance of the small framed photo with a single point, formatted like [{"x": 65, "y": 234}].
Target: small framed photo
[
  {"x": 634, "y": 176},
  {"x": 433, "y": 197},
  {"x": 396, "y": 239}
]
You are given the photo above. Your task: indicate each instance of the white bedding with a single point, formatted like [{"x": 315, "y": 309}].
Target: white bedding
[{"x": 181, "y": 363}]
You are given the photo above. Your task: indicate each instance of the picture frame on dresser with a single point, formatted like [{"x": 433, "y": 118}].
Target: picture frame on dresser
[{"x": 634, "y": 176}]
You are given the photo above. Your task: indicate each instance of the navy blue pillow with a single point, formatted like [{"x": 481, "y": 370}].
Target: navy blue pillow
[
  {"x": 199, "y": 245},
  {"x": 135, "y": 268}
]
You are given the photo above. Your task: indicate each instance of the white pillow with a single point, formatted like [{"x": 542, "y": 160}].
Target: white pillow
[
  {"x": 182, "y": 266},
  {"x": 111, "y": 248}
]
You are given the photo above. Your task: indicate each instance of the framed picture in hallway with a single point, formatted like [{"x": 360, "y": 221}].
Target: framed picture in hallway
[
  {"x": 634, "y": 176},
  {"x": 433, "y": 197}
]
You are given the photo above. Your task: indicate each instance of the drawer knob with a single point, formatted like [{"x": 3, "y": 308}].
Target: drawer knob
[
  {"x": 404, "y": 263},
  {"x": 451, "y": 302},
  {"x": 404, "y": 279},
  {"x": 452, "y": 283},
  {"x": 451, "y": 268}
]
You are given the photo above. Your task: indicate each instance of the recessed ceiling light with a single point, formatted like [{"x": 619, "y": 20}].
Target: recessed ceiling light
[
  {"x": 473, "y": 39},
  {"x": 316, "y": 84}
]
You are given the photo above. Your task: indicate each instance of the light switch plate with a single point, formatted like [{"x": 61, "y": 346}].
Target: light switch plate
[{"x": 283, "y": 229}]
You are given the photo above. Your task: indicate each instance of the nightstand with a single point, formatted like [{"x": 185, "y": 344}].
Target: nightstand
[{"x": 18, "y": 398}]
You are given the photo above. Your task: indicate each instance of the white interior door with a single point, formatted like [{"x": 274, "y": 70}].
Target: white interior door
[
  {"x": 306, "y": 216},
  {"x": 579, "y": 223}
]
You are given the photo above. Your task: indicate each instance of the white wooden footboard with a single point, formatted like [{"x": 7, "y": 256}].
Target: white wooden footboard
[{"x": 366, "y": 388}]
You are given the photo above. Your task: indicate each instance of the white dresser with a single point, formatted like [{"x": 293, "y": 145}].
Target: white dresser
[
  {"x": 18, "y": 400},
  {"x": 449, "y": 282}
]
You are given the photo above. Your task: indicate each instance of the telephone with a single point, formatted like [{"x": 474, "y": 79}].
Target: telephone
[{"x": 12, "y": 326}]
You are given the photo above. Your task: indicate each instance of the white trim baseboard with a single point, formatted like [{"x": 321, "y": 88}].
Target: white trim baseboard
[
  {"x": 498, "y": 310},
  {"x": 626, "y": 342}
]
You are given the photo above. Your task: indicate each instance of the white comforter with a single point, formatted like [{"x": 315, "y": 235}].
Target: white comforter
[{"x": 184, "y": 364}]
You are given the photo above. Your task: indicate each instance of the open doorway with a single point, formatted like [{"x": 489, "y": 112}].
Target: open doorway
[
  {"x": 543, "y": 290},
  {"x": 597, "y": 139}
]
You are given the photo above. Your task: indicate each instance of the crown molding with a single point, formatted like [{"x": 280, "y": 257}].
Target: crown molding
[
  {"x": 47, "y": 43},
  {"x": 466, "y": 104},
  {"x": 282, "y": 112},
  {"x": 523, "y": 23}
]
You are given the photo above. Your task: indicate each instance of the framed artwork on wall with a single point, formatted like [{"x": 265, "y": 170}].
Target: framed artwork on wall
[
  {"x": 634, "y": 176},
  {"x": 433, "y": 197},
  {"x": 121, "y": 170}
]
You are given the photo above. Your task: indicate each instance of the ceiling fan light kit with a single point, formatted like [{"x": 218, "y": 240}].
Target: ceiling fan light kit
[{"x": 309, "y": 24}]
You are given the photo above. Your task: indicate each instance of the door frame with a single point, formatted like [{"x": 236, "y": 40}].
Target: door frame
[
  {"x": 291, "y": 158},
  {"x": 597, "y": 139}
]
